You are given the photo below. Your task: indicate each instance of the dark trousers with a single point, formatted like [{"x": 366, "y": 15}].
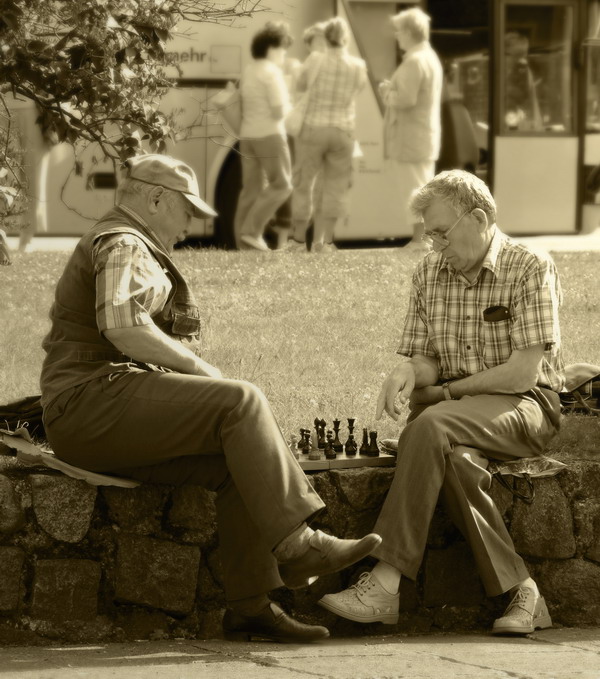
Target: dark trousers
[{"x": 181, "y": 429}]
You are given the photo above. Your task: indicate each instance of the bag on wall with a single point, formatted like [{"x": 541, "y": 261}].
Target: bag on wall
[
  {"x": 582, "y": 389},
  {"x": 228, "y": 103}
]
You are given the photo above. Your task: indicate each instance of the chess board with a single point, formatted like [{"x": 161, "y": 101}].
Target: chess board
[{"x": 343, "y": 461}]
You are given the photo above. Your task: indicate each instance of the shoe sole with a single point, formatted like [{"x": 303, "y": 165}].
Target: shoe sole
[
  {"x": 544, "y": 622},
  {"x": 386, "y": 618}
]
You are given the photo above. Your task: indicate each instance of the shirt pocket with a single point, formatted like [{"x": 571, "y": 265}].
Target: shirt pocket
[{"x": 497, "y": 346}]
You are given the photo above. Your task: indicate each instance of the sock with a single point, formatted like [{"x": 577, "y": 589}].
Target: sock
[
  {"x": 250, "y": 606},
  {"x": 529, "y": 583},
  {"x": 294, "y": 545},
  {"x": 388, "y": 576}
]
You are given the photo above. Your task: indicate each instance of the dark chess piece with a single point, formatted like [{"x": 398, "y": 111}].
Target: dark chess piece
[
  {"x": 318, "y": 437},
  {"x": 351, "y": 446},
  {"x": 351, "y": 421},
  {"x": 330, "y": 453},
  {"x": 373, "y": 447},
  {"x": 321, "y": 434},
  {"x": 364, "y": 446},
  {"x": 337, "y": 444},
  {"x": 304, "y": 444}
]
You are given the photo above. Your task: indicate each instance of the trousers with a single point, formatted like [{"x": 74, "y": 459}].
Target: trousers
[
  {"x": 266, "y": 158},
  {"x": 440, "y": 453},
  {"x": 182, "y": 429}
]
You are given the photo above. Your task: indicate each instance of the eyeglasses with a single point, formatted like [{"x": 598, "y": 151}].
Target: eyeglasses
[{"x": 441, "y": 239}]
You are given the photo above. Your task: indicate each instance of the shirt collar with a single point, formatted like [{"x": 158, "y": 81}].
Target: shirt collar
[{"x": 145, "y": 228}]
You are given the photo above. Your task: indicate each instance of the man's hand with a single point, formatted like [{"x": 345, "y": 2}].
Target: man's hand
[{"x": 399, "y": 383}]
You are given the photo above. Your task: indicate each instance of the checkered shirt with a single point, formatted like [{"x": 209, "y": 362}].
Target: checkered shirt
[
  {"x": 445, "y": 313},
  {"x": 332, "y": 96},
  {"x": 131, "y": 285}
]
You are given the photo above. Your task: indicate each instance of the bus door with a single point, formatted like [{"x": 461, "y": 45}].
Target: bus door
[
  {"x": 591, "y": 139},
  {"x": 536, "y": 142}
]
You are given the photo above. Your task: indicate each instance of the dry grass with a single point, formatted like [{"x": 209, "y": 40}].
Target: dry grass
[{"x": 316, "y": 333}]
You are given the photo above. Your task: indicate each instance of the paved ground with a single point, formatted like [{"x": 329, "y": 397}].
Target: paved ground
[
  {"x": 551, "y": 654},
  {"x": 578, "y": 243}
]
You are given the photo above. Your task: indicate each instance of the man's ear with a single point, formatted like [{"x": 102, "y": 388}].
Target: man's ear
[
  {"x": 481, "y": 217},
  {"x": 154, "y": 197}
]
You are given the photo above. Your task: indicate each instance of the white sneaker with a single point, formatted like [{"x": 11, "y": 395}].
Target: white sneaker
[
  {"x": 255, "y": 243},
  {"x": 324, "y": 248},
  {"x": 525, "y": 613},
  {"x": 366, "y": 601}
]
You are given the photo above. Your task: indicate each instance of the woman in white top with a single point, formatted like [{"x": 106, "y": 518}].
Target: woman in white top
[{"x": 263, "y": 142}]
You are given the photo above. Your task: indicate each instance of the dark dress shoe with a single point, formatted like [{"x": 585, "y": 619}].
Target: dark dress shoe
[
  {"x": 272, "y": 624},
  {"x": 326, "y": 554}
]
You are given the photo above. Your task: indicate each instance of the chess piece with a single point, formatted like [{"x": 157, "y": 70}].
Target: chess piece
[
  {"x": 364, "y": 446},
  {"x": 373, "y": 447},
  {"x": 330, "y": 453},
  {"x": 305, "y": 441},
  {"x": 351, "y": 446},
  {"x": 314, "y": 454},
  {"x": 294, "y": 446},
  {"x": 351, "y": 421},
  {"x": 337, "y": 444},
  {"x": 322, "y": 424}
]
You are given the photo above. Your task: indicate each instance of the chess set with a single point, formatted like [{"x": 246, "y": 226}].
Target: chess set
[{"x": 323, "y": 449}]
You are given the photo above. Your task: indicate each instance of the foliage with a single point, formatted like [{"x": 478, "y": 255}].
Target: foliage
[{"x": 94, "y": 68}]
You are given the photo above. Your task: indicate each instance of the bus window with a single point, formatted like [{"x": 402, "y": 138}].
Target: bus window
[{"x": 537, "y": 69}]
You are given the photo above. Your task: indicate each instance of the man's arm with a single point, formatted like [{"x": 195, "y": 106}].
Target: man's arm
[
  {"x": 419, "y": 372},
  {"x": 405, "y": 85},
  {"x": 148, "y": 344},
  {"x": 516, "y": 376}
]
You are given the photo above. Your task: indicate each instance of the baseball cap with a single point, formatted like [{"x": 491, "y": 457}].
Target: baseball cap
[{"x": 161, "y": 170}]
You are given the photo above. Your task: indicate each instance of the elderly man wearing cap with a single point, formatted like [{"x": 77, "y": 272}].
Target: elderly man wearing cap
[{"x": 124, "y": 391}]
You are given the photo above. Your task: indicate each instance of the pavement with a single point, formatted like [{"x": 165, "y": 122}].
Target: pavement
[
  {"x": 550, "y": 654},
  {"x": 589, "y": 242}
]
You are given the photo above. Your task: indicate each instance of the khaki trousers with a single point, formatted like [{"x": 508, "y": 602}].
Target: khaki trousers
[
  {"x": 181, "y": 429},
  {"x": 440, "y": 453}
]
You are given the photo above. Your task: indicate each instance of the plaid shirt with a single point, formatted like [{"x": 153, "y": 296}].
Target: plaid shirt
[
  {"x": 131, "y": 285},
  {"x": 445, "y": 313},
  {"x": 332, "y": 96}
]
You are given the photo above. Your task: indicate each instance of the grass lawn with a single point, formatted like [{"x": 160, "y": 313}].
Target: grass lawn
[{"x": 316, "y": 333}]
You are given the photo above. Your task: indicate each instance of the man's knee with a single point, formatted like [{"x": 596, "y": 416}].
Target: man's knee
[{"x": 246, "y": 394}]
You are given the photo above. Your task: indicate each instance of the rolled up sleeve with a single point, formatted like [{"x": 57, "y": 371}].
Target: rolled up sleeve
[{"x": 131, "y": 286}]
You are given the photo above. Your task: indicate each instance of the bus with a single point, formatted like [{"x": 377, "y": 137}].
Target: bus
[{"x": 521, "y": 109}]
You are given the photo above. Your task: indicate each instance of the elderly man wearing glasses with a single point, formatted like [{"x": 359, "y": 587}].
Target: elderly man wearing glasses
[{"x": 481, "y": 373}]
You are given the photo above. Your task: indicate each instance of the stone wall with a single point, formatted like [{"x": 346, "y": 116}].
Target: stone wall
[{"x": 81, "y": 563}]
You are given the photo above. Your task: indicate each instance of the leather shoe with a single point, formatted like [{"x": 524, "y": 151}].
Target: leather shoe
[
  {"x": 272, "y": 624},
  {"x": 326, "y": 554}
]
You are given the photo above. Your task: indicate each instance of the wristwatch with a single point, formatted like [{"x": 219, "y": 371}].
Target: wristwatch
[{"x": 446, "y": 390}]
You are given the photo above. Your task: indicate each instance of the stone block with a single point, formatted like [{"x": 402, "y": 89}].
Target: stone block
[
  {"x": 364, "y": 487},
  {"x": 581, "y": 480},
  {"x": 572, "y": 590},
  {"x": 137, "y": 510},
  {"x": 63, "y": 506},
  {"x": 65, "y": 589},
  {"x": 544, "y": 528},
  {"x": 451, "y": 577},
  {"x": 193, "y": 510},
  {"x": 442, "y": 532},
  {"x": 586, "y": 515},
  {"x": 157, "y": 573},
  {"x": 334, "y": 519},
  {"x": 11, "y": 582},
  {"x": 12, "y": 516}
]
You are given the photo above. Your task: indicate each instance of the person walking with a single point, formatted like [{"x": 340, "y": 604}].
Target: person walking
[
  {"x": 264, "y": 150},
  {"x": 412, "y": 120},
  {"x": 326, "y": 142}
]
